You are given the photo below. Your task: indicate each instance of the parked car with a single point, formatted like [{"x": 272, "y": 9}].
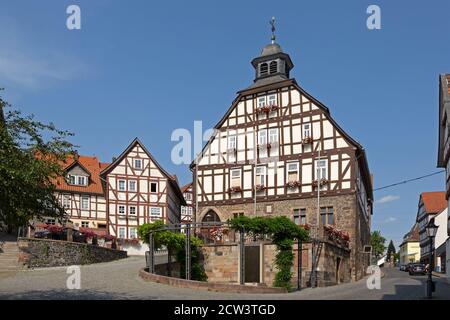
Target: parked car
[
  {"x": 417, "y": 268},
  {"x": 43, "y": 234},
  {"x": 402, "y": 267}
]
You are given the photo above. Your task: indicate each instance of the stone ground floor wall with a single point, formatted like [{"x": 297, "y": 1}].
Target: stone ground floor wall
[
  {"x": 221, "y": 263},
  {"x": 346, "y": 218},
  {"x": 39, "y": 253}
]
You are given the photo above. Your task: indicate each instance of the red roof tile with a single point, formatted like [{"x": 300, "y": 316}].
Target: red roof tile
[
  {"x": 434, "y": 202},
  {"x": 185, "y": 187},
  {"x": 93, "y": 166}
]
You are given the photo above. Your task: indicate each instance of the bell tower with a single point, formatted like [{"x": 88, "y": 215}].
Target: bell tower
[{"x": 272, "y": 65}]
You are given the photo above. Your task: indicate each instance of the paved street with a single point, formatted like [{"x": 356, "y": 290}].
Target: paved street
[{"x": 119, "y": 280}]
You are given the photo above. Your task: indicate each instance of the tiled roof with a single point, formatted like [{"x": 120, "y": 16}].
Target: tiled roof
[
  {"x": 448, "y": 82},
  {"x": 185, "y": 187},
  {"x": 94, "y": 167},
  {"x": 434, "y": 201}
]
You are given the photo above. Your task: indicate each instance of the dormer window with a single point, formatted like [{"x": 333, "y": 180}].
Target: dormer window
[
  {"x": 273, "y": 67},
  {"x": 263, "y": 69},
  {"x": 77, "y": 180}
]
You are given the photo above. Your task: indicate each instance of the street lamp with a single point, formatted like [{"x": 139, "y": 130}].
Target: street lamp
[{"x": 431, "y": 229}]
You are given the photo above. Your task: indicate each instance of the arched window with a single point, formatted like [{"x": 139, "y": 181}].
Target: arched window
[
  {"x": 263, "y": 69},
  {"x": 211, "y": 216},
  {"x": 273, "y": 67}
]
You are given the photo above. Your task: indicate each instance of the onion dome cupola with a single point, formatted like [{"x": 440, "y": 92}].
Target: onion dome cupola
[{"x": 273, "y": 64}]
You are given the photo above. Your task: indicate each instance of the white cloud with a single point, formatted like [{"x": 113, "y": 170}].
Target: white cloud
[
  {"x": 388, "y": 198},
  {"x": 390, "y": 219}
]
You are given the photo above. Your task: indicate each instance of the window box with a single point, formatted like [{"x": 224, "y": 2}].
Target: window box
[
  {"x": 234, "y": 190},
  {"x": 293, "y": 184},
  {"x": 307, "y": 140},
  {"x": 260, "y": 187},
  {"x": 322, "y": 182},
  {"x": 264, "y": 146},
  {"x": 266, "y": 109},
  {"x": 231, "y": 151},
  {"x": 337, "y": 236}
]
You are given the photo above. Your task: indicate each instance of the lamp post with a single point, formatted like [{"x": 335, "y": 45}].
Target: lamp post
[{"x": 431, "y": 229}]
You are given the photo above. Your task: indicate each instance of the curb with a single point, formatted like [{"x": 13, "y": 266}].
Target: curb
[{"x": 216, "y": 287}]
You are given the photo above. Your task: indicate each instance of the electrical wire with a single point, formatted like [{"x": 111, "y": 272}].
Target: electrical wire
[{"x": 409, "y": 180}]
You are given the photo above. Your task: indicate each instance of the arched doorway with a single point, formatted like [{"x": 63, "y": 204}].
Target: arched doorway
[{"x": 208, "y": 234}]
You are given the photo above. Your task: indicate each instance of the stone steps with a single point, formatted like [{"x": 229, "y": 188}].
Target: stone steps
[{"x": 9, "y": 256}]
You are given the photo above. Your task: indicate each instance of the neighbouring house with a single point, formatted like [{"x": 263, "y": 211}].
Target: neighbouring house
[
  {"x": 138, "y": 191},
  {"x": 410, "y": 246},
  {"x": 116, "y": 198},
  {"x": 274, "y": 150},
  {"x": 440, "y": 241},
  {"x": 430, "y": 205},
  {"x": 444, "y": 147},
  {"x": 82, "y": 193},
  {"x": 187, "y": 211}
]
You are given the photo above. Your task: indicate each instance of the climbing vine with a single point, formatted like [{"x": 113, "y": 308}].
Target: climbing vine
[
  {"x": 283, "y": 232},
  {"x": 175, "y": 244}
]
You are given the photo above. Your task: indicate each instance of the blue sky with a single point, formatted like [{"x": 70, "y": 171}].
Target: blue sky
[{"x": 145, "y": 68}]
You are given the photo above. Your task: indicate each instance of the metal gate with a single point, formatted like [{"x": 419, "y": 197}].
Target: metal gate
[{"x": 252, "y": 260}]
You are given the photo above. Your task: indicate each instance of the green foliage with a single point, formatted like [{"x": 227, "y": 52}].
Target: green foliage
[
  {"x": 30, "y": 156},
  {"x": 283, "y": 232},
  {"x": 175, "y": 243},
  {"x": 377, "y": 241},
  {"x": 390, "y": 251}
]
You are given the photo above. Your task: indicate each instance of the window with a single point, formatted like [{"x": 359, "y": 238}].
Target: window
[
  {"x": 133, "y": 233},
  {"x": 132, "y": 210},
  {"x": 272, "y": 100},
  {"x": 306, "y": 130},
  {"x": 292, "y": 171},
  {"x": 131, "y": 185},
  {"x": 238, "y": 214},
  {"x": 121, "y": 232},
  {"x": 232, "y": 142},
  {"x": 137, "y": 163},
  {"x": 263, "y": 69},
  {"x": 85, "y": 203},
  {"x": 188, "y": 196},
  {"x": 321, "y": 169},
  {"x": 77, "y": 180},
  {"x": 81, "y": 181},
  {"x": 261, "y": 102},
  {"x": 183, "y": 210},
  {"x": 51, "y": 221},
  {"x": 121, "y": 209},
  {"x": 260, "y": 173},
  {"x": 273, "y": 136},
  {"x": 85, "y": 224},
  {"x": 326, "y": 215},
  {"x": 102, "y": 226},
  {"x": 153, "y": 187},
  {"x": 66, "y": 201},
  {"x": 273, "y": 67},
  {"x": 121, "y": 185},
  {"x": 235, "y": 177},
  {"x": 262, "y": 137},
  {"x": 300, "y": 216},
  {"x": 155, "y": 212}
]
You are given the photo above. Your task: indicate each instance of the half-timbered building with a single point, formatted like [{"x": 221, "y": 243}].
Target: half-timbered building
[
  {"x": 187, "y": 211},
  {"x": 139, "y": 191},
  {"x": 278, "y": 151},
  {"x": 81, "y": 193}
]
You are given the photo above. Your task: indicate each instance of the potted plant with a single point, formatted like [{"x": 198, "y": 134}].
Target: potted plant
[
  {"x": 322, "y": 182},
  {"x": 293, "y": 184},
  {"x": 234, "y": 189},
  {"x": 307, "y": 140}
]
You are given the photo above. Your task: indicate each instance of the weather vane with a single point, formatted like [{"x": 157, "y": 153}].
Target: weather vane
[{"x": 272, "y": 23}]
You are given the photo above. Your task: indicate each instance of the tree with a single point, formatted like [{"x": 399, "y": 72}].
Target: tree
[
  {"x": 390, "y": 251},
  {"x": 377, "y": 241},
  {"x": 31, "y": 154}
]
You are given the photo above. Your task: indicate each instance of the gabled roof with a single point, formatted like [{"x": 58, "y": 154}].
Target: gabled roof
[
  {"x": 89, "y": 164},
  {"x": 186, "y": 187},
  {"x": 412, "y": 235},
  {"x": 360, "y": 154},
  {"x": 171, "y": 178},
  {"x": 434, "y": 202}
]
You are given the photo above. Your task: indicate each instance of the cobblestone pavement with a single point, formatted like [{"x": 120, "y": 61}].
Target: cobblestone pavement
[{"x": 119, "y": 280}]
